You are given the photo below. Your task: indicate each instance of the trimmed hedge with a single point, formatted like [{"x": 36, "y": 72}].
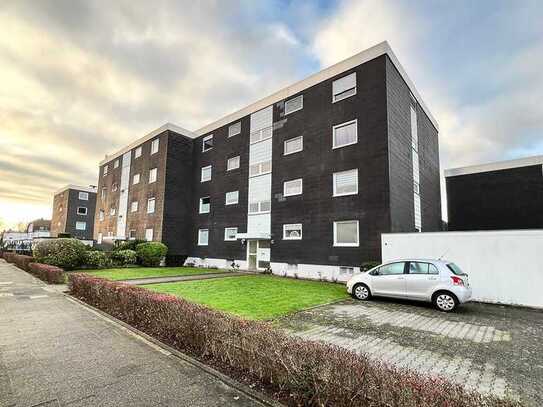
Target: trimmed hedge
[
  {"x": 307, "y": 373},
  {"x": 150, "y": 254},
  {"x": 48, "y": 273},
  {"x": 65, "y": 253},
  {"x": 22, "y": 261},
  {"x": 9, "y": 257},
  {"x": 95, "y": 259},
  {"x": 124, "y": 257}
]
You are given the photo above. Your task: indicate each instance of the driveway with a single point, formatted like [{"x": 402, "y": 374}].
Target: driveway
[
  {"x": 56, "y": 352},
  {"x": 491, "y": 348}
]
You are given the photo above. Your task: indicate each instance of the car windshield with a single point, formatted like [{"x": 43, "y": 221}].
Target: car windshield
[{"x": 456, "y": 270}]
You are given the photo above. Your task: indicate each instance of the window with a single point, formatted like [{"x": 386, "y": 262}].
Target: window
[
  {"x": 83, "y": 196},
  {"x": 136, "y": 179},
  {"x": 416, "y": 187},
  {"x": 346, "y": 233},
  {"x": 203, "y": 237},
  {"x": 154, "y": 146},
  {"x": 112, "y": 211},
  {"x": 346, "y": 182},
  {"x": 260, "y": 135},
  {"x": 134, "y": 206},
  {"x": 259, "y": 207},
  {"x": 422, "y": 268},
  {"x": 260, "y": 168},
  {"x": 116, "y": 164},
  {"x": 99, "y": 240},
  {"x": 114, "y": 187},
  {"x": 344, "y": 87},
  {"x": 151, "y": 205},
  {"x": 230, "y": 234},
  {"x": 104, "y": 193},
  {"x": 152, "y": 175},
  {"x": 293, "y": 187},
  {"x": 234, "y": 129},
  {"x": 206, "y": 174},
  {"x": 292, "y": 232},
  {"x": 345, "y": 134},
  {"x": 232, "y": 163},
  {"x": 137, "y": 152},
  {"x": 132, "y": 234},
  {"x": 294, "y": 104},
  {"x": 346, "y": 270},
  {"x": 232, "y": 198},
  {"x": 207, "y": 143},
  {"x": 149, "y": 234},
  {"x": 81, "y": 210},
  {"x": 294, "y": 145},
  {"x": 205, "y": 204},
  {"x": 81, "y": 225},
  {"x": 391, "y": 269},
  {"x": 101, "y": 215},
  {"x": 105, "y": 169}
]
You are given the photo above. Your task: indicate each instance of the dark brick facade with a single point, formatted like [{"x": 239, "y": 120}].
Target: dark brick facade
[
  {"x": 496, "y": 200},
  {"x": 65, "y": 214}
]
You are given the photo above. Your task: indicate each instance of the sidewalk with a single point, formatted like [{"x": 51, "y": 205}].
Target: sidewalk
[{"x": 56, "y": 352}]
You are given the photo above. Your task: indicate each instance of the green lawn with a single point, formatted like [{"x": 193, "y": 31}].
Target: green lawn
[
  {"x": 144, "y": 272},
  {"x": 255, "y": 297}
]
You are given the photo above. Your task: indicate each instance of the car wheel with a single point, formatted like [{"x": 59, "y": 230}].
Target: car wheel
[
  {"x": 361, "y": 292},
  {"x": 445, "y": 301}
]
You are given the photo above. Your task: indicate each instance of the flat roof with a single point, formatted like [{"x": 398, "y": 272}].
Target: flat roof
[
  {"x": 77, "y": 188},
  {"x": 495, "y": 166},
  {"x": 383, "y": 48}
]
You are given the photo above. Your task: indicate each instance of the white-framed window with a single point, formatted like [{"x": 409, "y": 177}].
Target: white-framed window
[
  {"x": 104, "y": 193},
  {"x": 206, "y": 174},
  {"x": 232, "y": 198},
  {"x": 260, "y": 168},
  {"x": 207, "y": 143},
  {"x": 151, "y": 205},
  {"x": 116, "y": 164},
  {"x": 230, "y": 234},
  {"x": 294, "y": 104},
  {"x": 149, "y": 234},
  {"x": 292, "y": 231},
  {"x": 234, "y": 129},
  {"x": 152, "y": 175},
  {"x": 346, "y": 233},
  {"x": 259, "y": 207},
  {"x": 205, "y": 204},
  {"x": 134, "y": 206},
  {"x": 203, "y": 237},
  {"x": 132, "y": 234},
  {"x": 154, "y": 146},
  {"x": 81, "y": 225},
  {"x": 293, "y": 187},
  {"x": 345, "y": 134},
  {"x": 112, "y": 211},
  {"x": 136, "y": 179},
  {"x": 343, "y": 88},
  {"x": 100, "y": 236},
  {"x": 416, "y": 187},
  {"x": 345, "y": 182},
  {"x": 232, "y": 163},
  {"x": 260, "y": 135},
  {"x": 106, "y": 168},
  {"x": 293, "y": 145},
  {"x": 83, "y": 196},
  {"x": 101, "y": 215},
  {"x": 346, "y": 270},
  {"x": 114, "y": 187},
  {"x": 82, "y": 210},
  {"x": 137, "y": 152}
]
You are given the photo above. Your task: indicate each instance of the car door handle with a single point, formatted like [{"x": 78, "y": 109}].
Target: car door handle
[
  {"x": 401, "y": 278},
  {"x": 432, "y": 278}
]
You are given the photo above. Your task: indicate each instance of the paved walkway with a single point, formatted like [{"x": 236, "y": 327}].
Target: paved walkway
[
  {"x": 490, "y": 348},
  {"x": 55, "y": 352},
  {"x": 173, "y": 279}
]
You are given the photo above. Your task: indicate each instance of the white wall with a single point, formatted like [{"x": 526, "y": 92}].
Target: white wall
[{"x": 503, "y": 266}]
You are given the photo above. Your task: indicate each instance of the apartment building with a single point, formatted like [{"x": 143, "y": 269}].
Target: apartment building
[
  {"x": 496, "y": 196},
  {"x": 303, "y": 181},
  {"x": 73, "y": 212}
]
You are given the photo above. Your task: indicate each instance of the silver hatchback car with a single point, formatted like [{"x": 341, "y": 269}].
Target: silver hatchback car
[{"x": 438, "y": 281}]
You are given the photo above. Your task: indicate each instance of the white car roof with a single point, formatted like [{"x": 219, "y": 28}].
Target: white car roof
[{"x": 438, "y": 261}]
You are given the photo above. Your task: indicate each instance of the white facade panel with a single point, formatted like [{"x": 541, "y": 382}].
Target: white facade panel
[
  {"x": 260, "y": 223},
  {"x": 503, "y": 266},
  {"x": 262, "y": 119},
  {"x": 260, "y": 188},
  {"x": 123, "y": 196},
  {"x": 260, "y": 152}
]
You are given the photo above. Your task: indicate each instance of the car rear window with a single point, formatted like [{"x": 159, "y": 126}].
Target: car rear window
[{"x": 456, "y": 270}]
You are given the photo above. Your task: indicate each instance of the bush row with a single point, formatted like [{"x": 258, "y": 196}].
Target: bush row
[
  {"x": 307, "y": 373},
  {"x": 48, "y": 273}
]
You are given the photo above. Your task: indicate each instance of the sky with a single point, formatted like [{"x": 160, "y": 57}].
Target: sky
[{"x": 80, "y": 79}]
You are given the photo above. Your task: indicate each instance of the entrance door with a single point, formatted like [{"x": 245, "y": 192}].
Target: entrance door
[
  {"x": 252, "y": 254},
  {"x": 258, "y": 254}
]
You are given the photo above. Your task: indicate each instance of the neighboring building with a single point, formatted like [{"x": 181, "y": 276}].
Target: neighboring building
[
  {"x": 73, "y": 212},
  {"x": 496, "y": 196},
  {"x": 39, "y": 228},
  {"x": 303, "y": 181}
]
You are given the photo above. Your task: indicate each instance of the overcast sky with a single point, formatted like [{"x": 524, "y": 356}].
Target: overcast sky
[{"x": 79, "y": 79}]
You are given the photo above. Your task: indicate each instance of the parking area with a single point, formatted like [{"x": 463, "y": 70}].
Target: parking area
[{"x": 492, "y": 348}]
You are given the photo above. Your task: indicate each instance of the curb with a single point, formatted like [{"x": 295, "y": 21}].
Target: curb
[{"x": 256, "y": 396}]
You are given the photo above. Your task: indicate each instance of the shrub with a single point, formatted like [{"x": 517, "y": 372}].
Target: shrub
[
  {"x": 65, "y": 253},
  {"x": 129, "y": 245},
  {"x": 9, "y": 257},
  {"x": 124, "y": 257},
  {"x": 22, "y": 261},
  {"x": 48, "y": 273},
  {"x": 367, "y": 265},
  {"x": 151, "y": 253},
  {"x": 308, "y": 373},
  {"x": 95, "y": 259}
]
